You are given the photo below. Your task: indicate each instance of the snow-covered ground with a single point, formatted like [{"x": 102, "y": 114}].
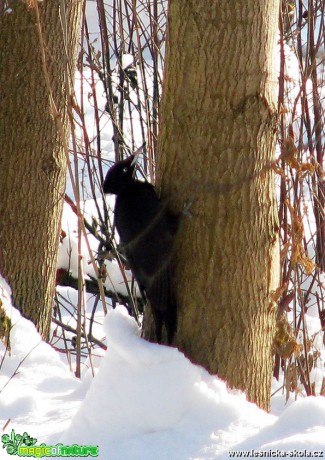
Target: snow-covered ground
[{"x": 146, "y": 402}]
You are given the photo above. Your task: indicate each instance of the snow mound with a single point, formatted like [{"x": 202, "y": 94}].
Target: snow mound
[
  {"x": 33, "y": 380},
  {"x": 145, "y": 393},
  {"x": 147, "y": 401},
  {"x": 298, "y": 432}
]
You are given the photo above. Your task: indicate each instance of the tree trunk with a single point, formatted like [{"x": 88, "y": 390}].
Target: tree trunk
[
  {"x": 216, "y": 146},
  {"x": 32, "y": 158}
]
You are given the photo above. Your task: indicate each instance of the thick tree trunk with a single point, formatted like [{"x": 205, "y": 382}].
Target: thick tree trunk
[
  {"x": 216, "y": 146},
  {"x": 32, "y": 158}
]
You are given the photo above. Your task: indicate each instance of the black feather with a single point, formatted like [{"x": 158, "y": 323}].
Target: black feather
[{"x": 146, "y": 231}]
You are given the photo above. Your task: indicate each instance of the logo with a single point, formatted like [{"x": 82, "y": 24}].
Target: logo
[{"x": 25, "y": 446}]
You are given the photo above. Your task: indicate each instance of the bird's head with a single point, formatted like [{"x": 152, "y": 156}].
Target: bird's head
[{"x": 120, "y": 176}]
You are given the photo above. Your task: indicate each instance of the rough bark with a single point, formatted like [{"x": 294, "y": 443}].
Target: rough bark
[
  {"x": 216, "y": 146},
  {"x": 32, "y": 158}
]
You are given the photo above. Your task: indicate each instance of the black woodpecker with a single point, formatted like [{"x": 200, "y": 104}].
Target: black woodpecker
[{"x": 147, "y": 230}]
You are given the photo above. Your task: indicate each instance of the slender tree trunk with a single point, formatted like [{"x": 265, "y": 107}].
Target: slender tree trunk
[
  {"x": 216, "y": 146},
  {"x": 32, "y": 158}
]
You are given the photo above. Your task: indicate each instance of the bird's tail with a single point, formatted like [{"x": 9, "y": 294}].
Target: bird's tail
[{"x": 163, "y": 305}]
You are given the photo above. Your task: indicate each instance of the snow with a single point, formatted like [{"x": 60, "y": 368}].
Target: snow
[
  {"x": 68, "y": 249},
  {"x": 146, "y": 401},
  {"x": 34, "y": 383},
  {"x": 127, "y": 61}
]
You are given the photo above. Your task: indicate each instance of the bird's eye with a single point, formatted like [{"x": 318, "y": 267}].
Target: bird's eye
[{"x": 125, "y": 170}]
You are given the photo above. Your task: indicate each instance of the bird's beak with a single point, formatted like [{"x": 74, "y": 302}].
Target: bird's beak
[
  {"x": 136, "y": 156},
  {"x": 135, "y": 160}
]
